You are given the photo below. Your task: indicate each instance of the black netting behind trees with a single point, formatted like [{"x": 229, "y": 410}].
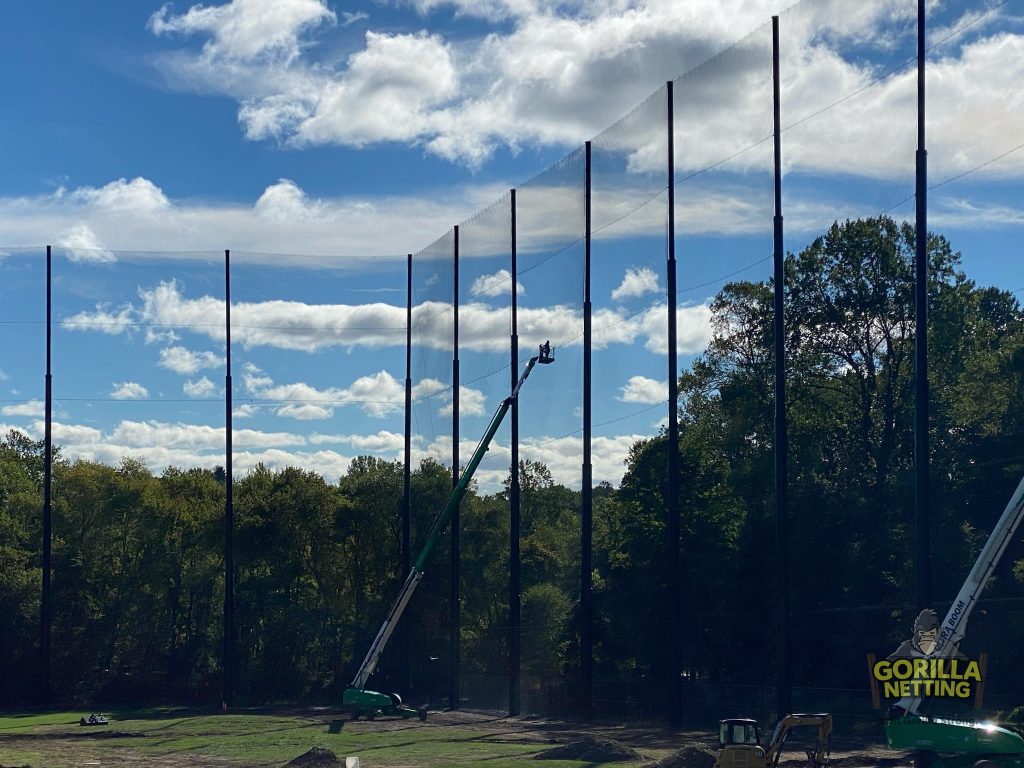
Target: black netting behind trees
[
  {"x": 551, "y": 225},
  {"x": 432, "y": 389},
  {"x": 724, "y": 209},
  {"x": 485, "y": 321}
]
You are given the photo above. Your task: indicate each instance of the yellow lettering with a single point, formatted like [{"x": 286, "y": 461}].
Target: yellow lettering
[
  {"x": 904, "y": 688},
  {"x": 892, "y": 690},
  {"x": 882, "y": 671},
  {"x": 972, "y": 673},
  {"x": 963, "y": 689},
  {"x": 901, "y": 669},
  {"x": 920, "y": 667}
]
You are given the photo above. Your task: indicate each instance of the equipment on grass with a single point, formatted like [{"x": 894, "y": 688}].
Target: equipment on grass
[
  {"x": 363, "y": 702},
  {"x": 992, "y": 746},
  {"x": 740, "y": 741}
]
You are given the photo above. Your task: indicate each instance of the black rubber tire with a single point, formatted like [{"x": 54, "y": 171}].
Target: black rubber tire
[
  {"x": 422, "y": 713},
  {"x": 371, "y": 715},
  {"x": 924, "y": 759}
]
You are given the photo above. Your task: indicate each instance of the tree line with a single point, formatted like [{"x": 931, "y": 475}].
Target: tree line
[{"x": 138, "y": 556}]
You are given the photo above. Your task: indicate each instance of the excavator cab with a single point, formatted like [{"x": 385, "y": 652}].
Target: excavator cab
[
  {"x": 740, "y": 742},
  {"x": 739, "y": 731}
]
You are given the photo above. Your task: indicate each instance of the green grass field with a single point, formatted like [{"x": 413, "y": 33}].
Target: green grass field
[{"x": 170, "y": 738}]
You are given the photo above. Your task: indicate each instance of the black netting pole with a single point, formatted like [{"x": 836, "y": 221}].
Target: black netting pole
[
  {"x": 229, "y": 508},
  {"x": 454, "y": 617},
  {"x": 407, "y": 473},
  {"x": 514, "y": 581},
  {"x": 782, "y": 676},
  {"x": 407, "y": 464},
  {"x": 672, "y": 496},
  {"x": 586, "y": 496},
  {"x": 921, "y": 486},
  {"x": 47, "y": 604}
]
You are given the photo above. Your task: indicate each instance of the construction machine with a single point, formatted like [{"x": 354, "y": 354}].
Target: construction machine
[
  {"x": 360, "y": 701},
  {"x": 954, "y": 743},
  {"x": 740, "y": 741}
]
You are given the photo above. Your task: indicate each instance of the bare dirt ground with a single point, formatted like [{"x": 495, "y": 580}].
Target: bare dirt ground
[{"x": 658, "y": 741}]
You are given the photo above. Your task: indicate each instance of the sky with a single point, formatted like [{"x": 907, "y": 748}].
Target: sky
[{"x": 322, "y": 142}]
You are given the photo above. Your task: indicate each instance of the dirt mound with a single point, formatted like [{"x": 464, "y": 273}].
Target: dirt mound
[
  {"x": 870, "y": 762},
  {"x": 592, "y": 749},
  {"x": 689, "y": 756},
  {"x": 317, "y": 757}
]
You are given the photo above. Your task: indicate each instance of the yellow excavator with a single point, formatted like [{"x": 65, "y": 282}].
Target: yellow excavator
[{"x": 740, "y": 741}]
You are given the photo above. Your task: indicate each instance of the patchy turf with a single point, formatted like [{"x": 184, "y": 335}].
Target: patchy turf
[{"x": 190, "y": 738}]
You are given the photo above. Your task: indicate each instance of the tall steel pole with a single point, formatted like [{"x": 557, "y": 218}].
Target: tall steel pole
[
  {"x": 455, "y": 635},
  {"x": 587, "y": 490},
  {"x": 407, "y": 470},
  {"x": 672, "y": 490},
  {"x": 406, "y": 546},
  {"x": 921, "y": 484},
  {"x": 782, "y": 671},
  {"x": 47, "y": 603},
  {"x": 229, "y": 508},
  {"x": 514, "y": 581}
]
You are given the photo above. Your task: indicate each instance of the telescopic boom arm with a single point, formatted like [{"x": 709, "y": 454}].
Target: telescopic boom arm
[
  {"x": 369, "y": 664},
  {"x": 952, "y": 630}
]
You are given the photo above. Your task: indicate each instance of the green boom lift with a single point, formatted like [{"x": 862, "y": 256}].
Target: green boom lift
[
  {"x": 357, "y": 698},
  {"x": 953, "y": 743}
]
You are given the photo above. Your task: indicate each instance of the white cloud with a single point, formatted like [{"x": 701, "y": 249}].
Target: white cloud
[
  {"x": 247, "y": 30},
  {"x": 186, "y": 361},
  {"x": 28, "y": 408},
  {"x": 348, "y": 18},
  {"x": 129, "y": 390},
  {"x": 312, "y": 327},
  {"x": 471, "y": 403},
  {"x": 196, "y": 436},
  {"x": 497, "y": 284},
  {"x": 285, "y": 201},
  {"x": 200, "y": 388},
  {"x": 637, "y": 282},
  {"x": 550, "y": 73},
  {"x": 83, "y": 246},
  {"x": 4, "y": 376},
  {"x": 135, "y": 197},
  {"x": 378, "y": 394},
  {"x": 640, "y": 389},
  {"x": 381, "y": 442},
  {"x": 245, "y": 411}
]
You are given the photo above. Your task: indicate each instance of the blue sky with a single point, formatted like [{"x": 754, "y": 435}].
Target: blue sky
[{"x": 322, "y": 141}]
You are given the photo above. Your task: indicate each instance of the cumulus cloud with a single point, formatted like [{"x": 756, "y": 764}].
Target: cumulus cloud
[
  {"x": 138, "y": 196},
  {"x": 28, "y": 408},
  {"x": 186, "y": 361},
  {"x": 200, "y": 388},
  {"x": 305, "y": 327},
  {"x": 551, "y": 73},
  {"x": 637, "y": 282},
  {"x": 640, "y": 389},
  {"x": 129, "y": 390},
  {"x": 83, "y": 246},
  {"x": 497, "y": 284},
  {"x": 246, "y": 30},
  {"x": 382, "y": 442}
]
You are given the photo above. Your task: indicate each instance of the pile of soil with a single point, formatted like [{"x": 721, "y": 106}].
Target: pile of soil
[
  {"x": 317, "y": 757},
  {"x": 591, "y": 749},
  {"x": 690, "y": 756}
]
